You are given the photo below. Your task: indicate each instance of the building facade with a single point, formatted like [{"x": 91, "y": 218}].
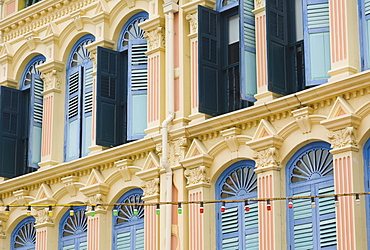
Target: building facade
[{"x": 184, "y": 124}]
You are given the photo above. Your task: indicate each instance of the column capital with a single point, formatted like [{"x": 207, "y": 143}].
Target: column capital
[
  {"x": 154, "y": 33},
  {"x": 51, "y": 74}
]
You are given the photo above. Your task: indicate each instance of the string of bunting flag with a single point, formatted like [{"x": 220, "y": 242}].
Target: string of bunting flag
[{"x": 181, "y": 203}]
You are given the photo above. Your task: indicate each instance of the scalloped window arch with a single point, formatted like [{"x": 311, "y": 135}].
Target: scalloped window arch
[
  {"x": 24, "y": 235},
  {"x": 73, "y": 230}
]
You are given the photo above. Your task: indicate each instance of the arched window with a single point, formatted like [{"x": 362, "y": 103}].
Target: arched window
[
  {"x": 367, "y": 183},
  {"x": 310, "y": 172},
  {"x": 79, "y": 100},
  {"x": 24, "y": 235},
  {"x": 122, "y": 84},
  {"x": 237, "y": 228},
  {"x": 32, "y": 86},
  {"x": 73, "y": 230},
  {"x": 128, "y": 228}
]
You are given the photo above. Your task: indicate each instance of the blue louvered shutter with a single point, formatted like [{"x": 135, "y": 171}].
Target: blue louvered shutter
[
  {"x": 137, "y": 89},
  {"x": 87, "y": 108},
  {"x": 111, "y": 97},
  {"x": 212, "y": 91},
  {"x": 248, "y": 54},
  {"x": 36, "y": 121},
  {"x": 365, "y": 33},
  {"x": 10, "y": 129},
  {"x": 139, "y": 238},
  {"x": 229, "y": 228},
  {"x": 316, "y": 41},
  {"x": 251, "y": 226},
  {"x": 123, "y": 240},
  {"x": 303, "y": 222},
  {"x": 277, "y": 41},
  {"x": 73, "y": 119},
  {"x": 328, "y": 233}
]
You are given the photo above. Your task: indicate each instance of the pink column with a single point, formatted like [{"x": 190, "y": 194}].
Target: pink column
[
  {"x": 266, "y": 226},
  {"x": 93, "y": 233},
  {"x": 151, "y": 228},
  {"x": 41, "y": 240},
  {"x": 344, "y": 39},
  {"x": 196, "y": 223}
]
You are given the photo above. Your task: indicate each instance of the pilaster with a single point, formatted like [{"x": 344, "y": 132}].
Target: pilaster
[
  {"x": 151, "y": 187},
  {"x": 46, "y": 231},
  {"x": 342, "y": 124},
  {"x": 191, "y": 14},
  {"x": 344, "y": 39},
  {"x": 155, "y": 35},
  {"x": 197, "y": 163},
  {"x": 52, "y": 73},
  {"x": 92, "y": 48},
  {"x": 3, "y": 231},
  {"x": 266, "y": 144}
]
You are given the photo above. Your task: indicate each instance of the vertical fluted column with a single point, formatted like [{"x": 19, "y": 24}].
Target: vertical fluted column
[{"x": 344, "y": 39}]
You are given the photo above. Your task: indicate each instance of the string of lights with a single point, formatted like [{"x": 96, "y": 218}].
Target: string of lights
[{"x": 180, "y": 204}]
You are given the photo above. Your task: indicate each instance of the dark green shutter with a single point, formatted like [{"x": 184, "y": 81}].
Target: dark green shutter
[
  {"x": 277, "y": 42},
  {"x": 10, "y": 129},
  {"x": 111, "y": 98},
  {"x": 212, "y": 90}
]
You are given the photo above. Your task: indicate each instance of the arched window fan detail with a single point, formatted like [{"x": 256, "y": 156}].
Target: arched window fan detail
[
  {"x": 240, "y": 182},
  {"x": 75, "y": 224},
  {"x": 25, "y": 235},
  {"x": 133, "y": 31},
  {"x": 81, "y": 54},
  {"x": 313, "y": 164},
  {"x": 126, "y": 212}
]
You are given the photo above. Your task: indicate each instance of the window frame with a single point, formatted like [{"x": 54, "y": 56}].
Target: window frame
[
  {"x": 75, "y": 239},
  {"x": 241, "y": 234},
  {"x": 366, "y": 153},
  {"x": 313, "y": 186},
  {"x": 23, "y": 223},
  {"x": 81, "y": 93},
  {"x": 130, "y": 226}
]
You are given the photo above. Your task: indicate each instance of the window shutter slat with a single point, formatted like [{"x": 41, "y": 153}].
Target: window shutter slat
[
  {"x": 303, "y": 234},
  {"x": 110, "y": 100},
  {"x": 139, "y": 238},
  {"x": 124, "y": 240},
  {"x": 328, "y": 233},
  {"x": 10, "y": 129},
  {"x": 212, "y": 91}
]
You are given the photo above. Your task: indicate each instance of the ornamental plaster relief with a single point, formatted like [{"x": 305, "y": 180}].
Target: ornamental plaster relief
[
  {"x": 197, "y": 175},
  {"x": 342, "y": 138},
  {"x": 230, "y": 137},
  {"x": 177, "y": 151},
  {"x": 155, "y": 38},
  {"x": 42, "y": 216},
  {"x": 266, "y": 158},
  {"x": 193, "y": 21},
  {"x": 2, "y": 229},
  {"x": 52, "y": 80},
  {"x": 150, "y": 187}
]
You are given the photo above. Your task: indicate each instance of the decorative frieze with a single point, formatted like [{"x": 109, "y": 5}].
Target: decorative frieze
[
  {"x": 197, "y": 175},
  {"x": 150, "y": 187},
  {"x": 342, "y": 138}
]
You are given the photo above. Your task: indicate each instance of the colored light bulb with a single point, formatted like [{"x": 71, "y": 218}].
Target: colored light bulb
[
  {"x": 92, "y": 213},
  {"x": 158, "y": 210},
  {"x": 7, "y": 210},
  {"x": 357, "y": 199},
  {"x": 290, "y": 203},
  {"x": 201, "y": 208},
  {"x": 50, "y": 211},
  {"x": 28, "y": 210},
  {"x": 268, "y": 205},
  {"x": 223, "y": 208},
  {"x": 336, "y": 201},
  {"x": 115, "y": 210},
  {"x": 246, "y": 206},
  {"x": 71, "y": 211},
  {"x": 135, "y": 210},
  {"x": 313, "y": 203},
  {"x": 179, "y": 208}
]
